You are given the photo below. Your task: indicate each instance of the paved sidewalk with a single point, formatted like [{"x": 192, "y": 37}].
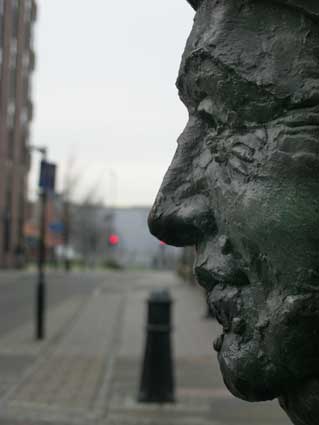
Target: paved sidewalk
[
  {"x": 201, "y": 395},
  {"x": 88, "y": 371}
]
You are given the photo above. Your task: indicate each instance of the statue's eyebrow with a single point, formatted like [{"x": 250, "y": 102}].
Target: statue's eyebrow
[
  {"x": 188, "y": 64},
  {"x": 180, "y": 83},
  {"x": 187, "y": 67},
  {"x": 182, "y": 86}
]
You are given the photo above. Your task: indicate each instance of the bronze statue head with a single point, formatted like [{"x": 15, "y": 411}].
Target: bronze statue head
[{"x": 243, "y": 188}]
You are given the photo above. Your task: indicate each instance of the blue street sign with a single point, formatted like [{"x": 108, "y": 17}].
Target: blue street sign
[
  {"x": 47, "y": 176},
  {"x": 56, "y": 227}
]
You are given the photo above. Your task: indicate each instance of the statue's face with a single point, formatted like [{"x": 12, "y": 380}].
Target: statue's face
[{"x": 243, "y": 187}]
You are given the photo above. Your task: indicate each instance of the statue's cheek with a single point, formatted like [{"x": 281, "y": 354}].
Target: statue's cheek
[{"x": 292, "y": 340}]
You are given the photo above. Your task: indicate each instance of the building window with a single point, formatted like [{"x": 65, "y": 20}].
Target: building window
[
  {"x": 6, "y": 231},
  {"x": 1, "y": 31},
  {"x": 26, "y": 62},
  {"x": 13, "y": 67},
  {"x": 23, "y": 148},
  {"x": 15, "y": 18},
  {"x": 27, "y": 36},
  {"x": 11, "y": 113},
  {"x": 19, "y": 248},
  {"x": 1, "y": 53},
  {"x": 28, "y": 10},
  {"x": 13, "y": 53},
  {"x": 11, "y": 133},
  {"x": 1, "y": 34},
  {"x": 24, "y": 117},
  {"x": 13, "y": 78},
  {"x": 7, "y": 216},
  {"x": 13, "y": 84}
]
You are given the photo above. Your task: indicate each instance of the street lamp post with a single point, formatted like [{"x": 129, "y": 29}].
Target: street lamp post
[
  {"x": 40, "y": 297},
  {"x": 41, "y": 287},
  {"x": 46, "y": 183}
]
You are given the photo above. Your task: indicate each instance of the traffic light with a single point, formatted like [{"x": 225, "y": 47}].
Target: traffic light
[{"x": 113, "y": 239}]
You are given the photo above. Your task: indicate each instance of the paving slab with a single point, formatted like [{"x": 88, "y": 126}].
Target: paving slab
[
  {"x": 202, "y": 397},
  {"x": 65, "y": 385},
  {"x": 89, "y": 372},
  {"x": 19, "y": 351},
  {"x": 22, "y": 339}
]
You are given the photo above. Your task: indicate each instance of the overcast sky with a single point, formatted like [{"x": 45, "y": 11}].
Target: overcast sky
[{"x": 104, "y": 92}]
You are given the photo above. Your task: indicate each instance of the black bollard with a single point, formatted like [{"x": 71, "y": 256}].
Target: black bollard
[{"x": 157, "y": 380}]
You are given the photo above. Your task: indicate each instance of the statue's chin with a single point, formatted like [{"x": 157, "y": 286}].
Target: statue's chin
[
  {"x": 302, "y": 404},
  {"x": 247, "y": 374},
  {"x": 252, "y": 378}
]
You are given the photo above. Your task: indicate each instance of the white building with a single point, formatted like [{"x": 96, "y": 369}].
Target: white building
[{"x": 137, "y": 247}]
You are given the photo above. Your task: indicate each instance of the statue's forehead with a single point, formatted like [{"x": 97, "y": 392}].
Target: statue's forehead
[
  {"x": 209, "y": 22},
  {"x": 309, "y": 6}
]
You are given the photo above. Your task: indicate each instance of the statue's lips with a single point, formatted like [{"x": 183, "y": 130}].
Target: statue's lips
[
  {"x": 225, "y": 305},
  {"x": 223, "y": 299},
  {"x": 209, "y": 279},
  {"x": 224, "y": 319},
  {"x": 222, "y": 311}
]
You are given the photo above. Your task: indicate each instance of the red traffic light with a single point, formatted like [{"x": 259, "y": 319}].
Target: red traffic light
[{"x": 114, "y": 239}]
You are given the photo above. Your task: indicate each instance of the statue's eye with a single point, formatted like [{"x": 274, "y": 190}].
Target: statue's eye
[
  {"x": 243, "y": 152},
  {"x": 241, "y": 156},
  {"x": 205, "y": 111},
  {"x": 207, "y": 118}
]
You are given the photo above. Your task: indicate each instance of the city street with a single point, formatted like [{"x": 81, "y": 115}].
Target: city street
[
  {"x": 87, "y": 371},
  {"x": 17, "y": 293}
]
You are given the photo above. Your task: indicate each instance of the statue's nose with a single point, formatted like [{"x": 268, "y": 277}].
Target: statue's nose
[
  {"x": 181, "y": 214},
  {"x": 181, "y": 224}
]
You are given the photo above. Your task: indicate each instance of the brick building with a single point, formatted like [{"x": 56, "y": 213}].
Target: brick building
[{"x": 17, "y": 19}]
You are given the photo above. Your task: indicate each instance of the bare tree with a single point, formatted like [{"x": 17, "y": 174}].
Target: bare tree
[
  {"x": 84, "y": 219},
  {"x": 72, "y": 178}
]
